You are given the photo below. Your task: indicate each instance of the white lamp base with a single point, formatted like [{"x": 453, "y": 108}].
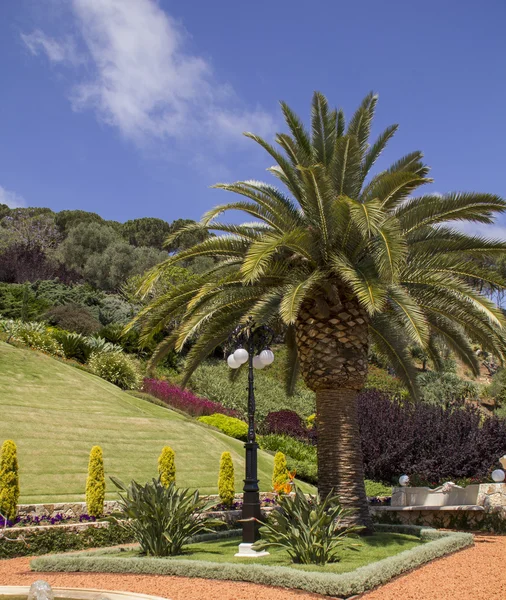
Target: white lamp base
[{"x": 246, "y": 551}]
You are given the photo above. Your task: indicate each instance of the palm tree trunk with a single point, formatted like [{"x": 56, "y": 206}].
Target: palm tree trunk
[
  {"x": 340, "y": 463},
  {"x": 332, "y": 347}
]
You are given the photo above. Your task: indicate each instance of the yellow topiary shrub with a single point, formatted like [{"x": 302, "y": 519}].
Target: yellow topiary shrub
[
  {"x": 9, "y": 480},
  {"x": 95, "y": 484},
  {"x": 167, "y": 466},
  {"x": 226, "y": 481},
  {"x": 280, "y": 475}
]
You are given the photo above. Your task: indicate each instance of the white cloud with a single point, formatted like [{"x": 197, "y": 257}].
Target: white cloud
[
  {"x": 141, "y": 79},
  {"x": 10, "y": 198},
  {"x": 495, "y": 230},
  {"x": 63, "y": 51}
]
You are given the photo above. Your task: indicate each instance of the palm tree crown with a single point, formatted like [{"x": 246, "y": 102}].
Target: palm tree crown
[{"x": 339, "y": 228}]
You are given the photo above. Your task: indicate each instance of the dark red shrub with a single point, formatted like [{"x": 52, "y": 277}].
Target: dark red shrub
[
  {"x": 286, "y": 422},
  {"x": 428, "y": 441},
  {"x": 184, "y": 400}
]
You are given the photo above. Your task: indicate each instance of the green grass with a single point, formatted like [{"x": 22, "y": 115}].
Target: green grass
[
  {"x": 368, "y": 549},
  {"x": 55, "y": 413}
]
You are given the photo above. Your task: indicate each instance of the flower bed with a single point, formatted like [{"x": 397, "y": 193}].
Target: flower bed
[
  {"x": 344, "y": 585},
  {"x": 45, "y": 520},
  {"x": 184, "y": 400}
]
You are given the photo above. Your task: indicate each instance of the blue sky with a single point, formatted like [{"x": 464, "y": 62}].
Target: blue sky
[{"x": 134, "y": 108}]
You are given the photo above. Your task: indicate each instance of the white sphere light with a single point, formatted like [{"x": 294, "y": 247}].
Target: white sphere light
[
  {"x": 241, "y": 356},
  {"x": 257, "y": 362},
  {"x": 498, "y": 475},
  {"x": 404, "y": 480},
  {"x": 267, "y": 357},
  {"x": 232, "y": 363}
]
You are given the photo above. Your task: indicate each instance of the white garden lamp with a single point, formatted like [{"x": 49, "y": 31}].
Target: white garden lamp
[
  {"x": 232, "y": 363},
  {"x": 498, "y": 475},
  {"x": 241, "y": 356},
  {"x": 404, "y": 480}
]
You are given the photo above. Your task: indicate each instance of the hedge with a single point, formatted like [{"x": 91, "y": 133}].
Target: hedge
[
  {"x": 62, "y": 539},
  {"x": 331, "y": 584}
]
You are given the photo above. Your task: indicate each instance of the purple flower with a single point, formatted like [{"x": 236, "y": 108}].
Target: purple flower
[{"x": 184, "y": 400}]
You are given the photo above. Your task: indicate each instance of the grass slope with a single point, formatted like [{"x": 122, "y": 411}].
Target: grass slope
[{"x": 56, "y": 413}]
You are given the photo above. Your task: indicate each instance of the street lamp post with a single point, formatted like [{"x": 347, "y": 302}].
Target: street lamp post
[{"x": 247, "y": 340}]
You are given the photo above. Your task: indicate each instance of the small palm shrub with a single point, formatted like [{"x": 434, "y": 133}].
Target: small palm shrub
[
  {"x": 99, "y": 344},
  {"x": 74, "y": 345},
  {"x": 229, "y": 425},
  {"x": 167, "y": 466},
  {"x": 310, "y": 529},
  {"x": 162, "y": 519},
  {"x": 280, "y": 474},
  {"x": 95, "y": 483},
  {"x": 116, "y": 368},
  {"x": 9, "y": 480},
  {"x": 226, "y": 481}
]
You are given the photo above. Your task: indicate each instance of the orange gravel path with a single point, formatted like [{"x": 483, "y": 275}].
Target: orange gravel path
[{"x": 478, "y": 573}]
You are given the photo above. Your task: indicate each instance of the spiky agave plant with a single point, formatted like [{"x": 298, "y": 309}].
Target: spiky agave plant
[{"x": 346, "y": 259}]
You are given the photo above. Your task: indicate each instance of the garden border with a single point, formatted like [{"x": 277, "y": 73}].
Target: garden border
[{"x": 439, "y": 543}]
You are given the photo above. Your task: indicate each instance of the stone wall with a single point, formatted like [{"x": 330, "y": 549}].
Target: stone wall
[
  {"x": 76, "y": 509},
  {"x": 486, "y": 507}
]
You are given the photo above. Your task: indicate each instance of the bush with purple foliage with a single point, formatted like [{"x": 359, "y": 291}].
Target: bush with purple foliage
[
  {"x": 285, "y": 422},
  {"x": 184, "y": 400},
  {"x": 426, "y": 440}
]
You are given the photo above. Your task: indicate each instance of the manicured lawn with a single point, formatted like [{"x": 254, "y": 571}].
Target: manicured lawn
[
  {"x": 56, "y": 413},
  {"x": 368, "y": 549}
]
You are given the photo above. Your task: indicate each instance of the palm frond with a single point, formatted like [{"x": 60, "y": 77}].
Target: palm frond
[
  {"x": 323, "y": 125},
  {"x": 390, "y": 343}
]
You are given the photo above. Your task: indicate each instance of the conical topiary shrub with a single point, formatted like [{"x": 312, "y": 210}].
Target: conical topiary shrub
[
  {"x": 226, "y": 481},
  {"x": 95, "y": 484},
  {"x": 280, "y": 474},
  {"x": 9, "y": 480},
  {"x": 167, "y": 466}
]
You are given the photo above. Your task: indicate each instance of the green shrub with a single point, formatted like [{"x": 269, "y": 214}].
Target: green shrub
[
  {"x": 162, "y": 519},
  {"x": 167, "y": 466},
  {"x": 99, "y": 344},
  {"x": 38, "y": 339},
  {"x": 380, "y": 379},
  {"x": 74, "y": 345},
  {"x": 280, "y": 474},
  {"x": 73, "y": 317},
  {"x": 309, "y": 529},
  {"x": 447, "y": 389},
  {"x": 211, "y": 380},
  {"x": 95, "y": 483},
  {"x": 226, "y": 479},
  {"x": 497, "y": 387},
  {"x": 58, "y": 539},
  {"x": 9, "y": 480},
  {"x": 229, "y": 425},
  {"x": 116, "y": 368}
]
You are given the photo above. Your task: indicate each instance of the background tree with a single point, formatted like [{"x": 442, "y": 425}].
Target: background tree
[
  {"x": 147, "y": 231},
  {"x": 344, "y": 258}
]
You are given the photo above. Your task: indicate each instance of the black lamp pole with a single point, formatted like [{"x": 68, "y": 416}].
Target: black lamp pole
[
  {"x": 254, "y": 339},
  {"x": 251, "y": 493}
]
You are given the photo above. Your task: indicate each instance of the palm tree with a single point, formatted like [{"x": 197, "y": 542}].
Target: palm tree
[{"x": 346, "y": 259}]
